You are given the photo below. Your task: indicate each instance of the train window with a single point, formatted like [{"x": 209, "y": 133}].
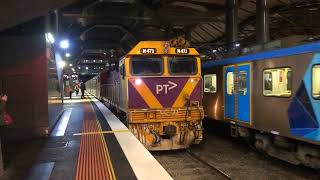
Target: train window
[
  {"x": 148, "y": 66},
  {"x": 210, "y": 83},
  {"x": 230, "y": 83},
  {"x": 316, "y": 81},
  {"x": 182, "y": 65},
  {"x": 277, "y": 82},
  {"x": 242, "y": 83}
]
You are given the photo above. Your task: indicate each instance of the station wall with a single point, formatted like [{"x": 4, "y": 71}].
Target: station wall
[{"x": 24, "y": 77}]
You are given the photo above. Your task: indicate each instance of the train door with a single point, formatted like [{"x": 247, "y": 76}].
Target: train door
[
  {"x": 237, "y": 95},
  {"x": 243, "y": 93},
  {"x": 229, "y": 95}
]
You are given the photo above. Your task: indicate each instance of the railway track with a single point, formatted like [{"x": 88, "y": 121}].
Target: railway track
[{"x": 183, "y": 164}]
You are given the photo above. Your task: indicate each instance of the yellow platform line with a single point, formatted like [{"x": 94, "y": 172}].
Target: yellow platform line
[
  {"x": 94, "y": 162},
  {"x": 111, "y": 173},
  {"x": 100, "y": 132}
]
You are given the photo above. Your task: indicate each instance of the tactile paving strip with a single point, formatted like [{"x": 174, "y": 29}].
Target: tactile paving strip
[{"x": 94, "y": 160}]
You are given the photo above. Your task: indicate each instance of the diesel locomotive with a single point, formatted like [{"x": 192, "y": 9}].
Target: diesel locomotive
[
  {"x": 159, "y": 90},
  {"x": 272, "y": 99}
]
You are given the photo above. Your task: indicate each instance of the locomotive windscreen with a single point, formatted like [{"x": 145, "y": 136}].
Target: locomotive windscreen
[
  {"x": 182, "y": 65},
  {"x": 146, "y": 65}
]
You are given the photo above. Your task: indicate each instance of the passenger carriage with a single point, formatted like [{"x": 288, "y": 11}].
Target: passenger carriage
[{"x": 270, "y": 98}]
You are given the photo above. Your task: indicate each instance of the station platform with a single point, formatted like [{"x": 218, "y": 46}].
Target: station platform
[{"x": 88, "y": 142}]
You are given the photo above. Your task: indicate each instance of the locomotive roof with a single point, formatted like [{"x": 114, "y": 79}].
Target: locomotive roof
[
  {"x": 160, "y": 48},
  {"x": 301, "y": 49}
]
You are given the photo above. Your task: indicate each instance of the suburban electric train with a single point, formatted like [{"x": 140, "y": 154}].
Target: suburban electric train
[
  {"x": 272, "y": 99},
  {"x": 159, "y": 89}
]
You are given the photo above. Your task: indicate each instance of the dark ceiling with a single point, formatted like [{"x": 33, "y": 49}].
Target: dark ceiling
[
  {"x": 107, "y": 29},
  {"x": 120, "y": 24}
]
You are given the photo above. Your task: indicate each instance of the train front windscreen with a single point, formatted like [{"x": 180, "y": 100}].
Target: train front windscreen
[{"x": 184, "y": 65}]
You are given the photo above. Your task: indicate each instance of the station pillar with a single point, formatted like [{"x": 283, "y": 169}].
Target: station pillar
[
  {"x": 231, "y": 27},
  {"x": 262, "y": 25}
]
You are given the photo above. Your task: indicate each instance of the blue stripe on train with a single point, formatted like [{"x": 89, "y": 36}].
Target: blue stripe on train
[{"x": 306, "y": 48}]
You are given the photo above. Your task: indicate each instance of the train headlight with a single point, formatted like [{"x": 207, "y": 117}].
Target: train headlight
[{"x": 138, "y": 82}]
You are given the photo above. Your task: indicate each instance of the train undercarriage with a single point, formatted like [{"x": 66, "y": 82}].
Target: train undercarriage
[{"x": 286, "y": 149}]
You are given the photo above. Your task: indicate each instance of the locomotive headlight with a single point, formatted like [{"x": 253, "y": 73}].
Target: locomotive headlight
[
  {"x": 192, "y": 80},
  {"x": 138, "y": 81}
]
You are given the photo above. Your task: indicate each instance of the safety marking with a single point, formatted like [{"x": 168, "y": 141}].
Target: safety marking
[
  {"x": 187, "y": 90},
  {"x": 100, "y": 132},
  {"x": 94, "y": 162},
  {"x": 146, "y": 94},
  {"x": 61, "y": 127}
]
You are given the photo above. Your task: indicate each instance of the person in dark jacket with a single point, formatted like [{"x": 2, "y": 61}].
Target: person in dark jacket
[{"x": 83, "y": 88}]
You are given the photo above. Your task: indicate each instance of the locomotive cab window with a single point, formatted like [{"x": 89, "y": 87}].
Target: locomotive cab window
[
  {"x": 210, "y": 83},
  {"x": 146, "y": 66},
  {"x": 182, "y": 65},
  {"x": 316, "y": 81},
  {"x": 277, "y": 82}
]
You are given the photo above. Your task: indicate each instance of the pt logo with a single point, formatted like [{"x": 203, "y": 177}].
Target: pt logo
[{"x": 165, "y": 87}]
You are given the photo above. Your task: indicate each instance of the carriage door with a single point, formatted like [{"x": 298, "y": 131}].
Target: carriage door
[
  {"x": 243, "y": 93},
  {"x": 237, "y": 92},
  {"x": 229, "y": 95}
]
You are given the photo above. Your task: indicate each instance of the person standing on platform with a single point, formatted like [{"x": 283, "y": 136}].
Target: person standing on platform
[
  {"x": 76, "y": 88},
  {"x": 3, "y": 101},
  {"x": 5, "y": 117},
  {"x": 70, "y": 90},
  {"x": 83, "y": 88}
]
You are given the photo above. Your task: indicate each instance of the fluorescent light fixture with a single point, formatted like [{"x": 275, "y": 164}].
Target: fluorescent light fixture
[
  {"x": 49, "y": 38},
  {"x": 64, "y": 44},
  {"x": 68, "y": 54},
  {"x": 61, "y": 64}
]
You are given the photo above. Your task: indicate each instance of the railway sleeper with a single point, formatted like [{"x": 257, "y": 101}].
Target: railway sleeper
[{"x": 282, "y": 148}]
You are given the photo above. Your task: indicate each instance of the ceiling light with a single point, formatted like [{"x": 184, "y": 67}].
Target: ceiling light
[
  {"x": 64, "y": 44},
  {"x": 49, "y": 38},
  {"x": 61, "y": 64}
]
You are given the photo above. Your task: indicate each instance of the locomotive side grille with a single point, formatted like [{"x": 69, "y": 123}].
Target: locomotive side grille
[{"x": 165, "y": 115}]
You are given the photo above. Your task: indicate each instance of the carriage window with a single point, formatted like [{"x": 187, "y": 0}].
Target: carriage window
[
  {"x": 230, "y": 83},
  {"x": 210, "y": 83},
  {"x": 147, "y": 66},
  {"x": 182, "y": 65},
  {"x": 242, "y": 83},
  {"x": 277, "y": 82},
  {"x": 316, "y": 81}
]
